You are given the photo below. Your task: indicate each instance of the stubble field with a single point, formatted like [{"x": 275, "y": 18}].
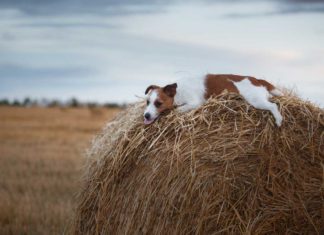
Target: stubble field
[{"x": 41, "y": 157}]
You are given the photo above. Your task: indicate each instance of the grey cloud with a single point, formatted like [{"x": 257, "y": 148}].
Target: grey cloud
[
  {"x": 61, "y": 7},
  {"x": 68, "y": 25},
  {"x": 305, "y": 1},
  {"x": 298, "y": 6},
  {"x": 9, "y": 71},
  {"x": 124, "y": 7},
  {"x": 285, "y": 7},
  {"x": 6, "y": 36}
]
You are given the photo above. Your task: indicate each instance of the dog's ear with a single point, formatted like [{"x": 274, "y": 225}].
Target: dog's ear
[
  {"x": 171, "y": 89},
  {"x": 150, "y": 88}
]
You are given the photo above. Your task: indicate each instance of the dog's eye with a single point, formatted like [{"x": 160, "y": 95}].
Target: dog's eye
[
  {"x": 147, "y": 102},
  {"x": 157, "y": 104}
]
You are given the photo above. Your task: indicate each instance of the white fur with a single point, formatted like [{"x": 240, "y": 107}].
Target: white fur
[
  {"x": 258, "y": 96},
  {"x": 151, "y": 109},
  {"x": 190, "y": 93}
]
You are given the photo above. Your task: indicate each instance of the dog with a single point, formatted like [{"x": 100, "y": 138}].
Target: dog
[{"x": 189, "y": 94}]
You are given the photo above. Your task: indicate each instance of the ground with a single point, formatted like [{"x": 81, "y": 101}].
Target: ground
[{"x": 41, "y": 157}]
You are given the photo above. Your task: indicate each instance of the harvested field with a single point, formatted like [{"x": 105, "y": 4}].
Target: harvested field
[
  {"x": 225, "y": 168},
  {"x": 41, "y": 154}
]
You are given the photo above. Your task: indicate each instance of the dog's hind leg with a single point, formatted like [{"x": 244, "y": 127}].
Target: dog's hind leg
[
  {"x": 258, "y": 96},
  {"x": 267, "y": 105}
]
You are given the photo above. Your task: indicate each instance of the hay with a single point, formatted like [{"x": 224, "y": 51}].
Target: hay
[{"x": 224, "y": 168}]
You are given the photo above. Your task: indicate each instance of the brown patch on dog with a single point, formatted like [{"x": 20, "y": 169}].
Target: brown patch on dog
[
  {"x": 266, "y": 84},
  {"x": 217, "y": 83},
  {"x": 165, "y": 100},
  {"x": 149, "y": 88},
  {"x": 170, "y": 90}
]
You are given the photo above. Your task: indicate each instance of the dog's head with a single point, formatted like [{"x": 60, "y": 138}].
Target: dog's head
[{"x": 159, "y": 100}]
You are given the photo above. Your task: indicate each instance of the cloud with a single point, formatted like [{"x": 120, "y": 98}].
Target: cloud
[
  {"x": 61, "y": 48},
  {"x": 126, "y": 7},
  {"x": 282, "y": 7},
  {"x": 62, "y": 7},
  {"x": 12, "y": 71},
  {"x": 299, "y": 6},
  {"x": 67, "y": 25}
]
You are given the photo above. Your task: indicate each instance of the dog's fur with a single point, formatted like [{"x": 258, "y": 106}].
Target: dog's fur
[{"x": 191, "y": 93}]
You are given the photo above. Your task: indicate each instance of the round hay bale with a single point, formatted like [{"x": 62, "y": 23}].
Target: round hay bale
[{"x": 223, "y": 168}]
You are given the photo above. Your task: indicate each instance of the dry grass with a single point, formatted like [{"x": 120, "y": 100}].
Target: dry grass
[
  {"x": 222, "y": 169},
  {"x": 40, "y": 163}
]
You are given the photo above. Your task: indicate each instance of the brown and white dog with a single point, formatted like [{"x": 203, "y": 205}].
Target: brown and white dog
[{"x": 191, "y": 93}]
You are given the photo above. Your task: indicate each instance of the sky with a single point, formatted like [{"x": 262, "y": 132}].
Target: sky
[{"x": 111, "y": 50}]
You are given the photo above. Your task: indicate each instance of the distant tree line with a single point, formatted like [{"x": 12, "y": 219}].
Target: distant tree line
[{"x": 73, "y": 103}]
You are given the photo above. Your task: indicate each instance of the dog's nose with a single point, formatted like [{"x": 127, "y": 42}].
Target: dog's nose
[{"x": 147, "y": 116}]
